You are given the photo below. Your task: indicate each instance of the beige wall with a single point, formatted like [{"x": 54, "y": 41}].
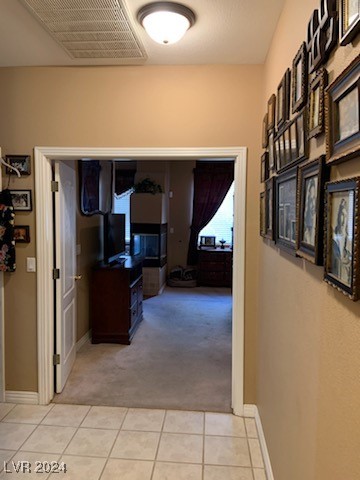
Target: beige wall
[
  {"x": 308, "y": 388},
  {"x": 183, "y": 106}
]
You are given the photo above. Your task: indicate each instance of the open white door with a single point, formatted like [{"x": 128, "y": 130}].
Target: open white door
[{"x": 65, "y": 255}]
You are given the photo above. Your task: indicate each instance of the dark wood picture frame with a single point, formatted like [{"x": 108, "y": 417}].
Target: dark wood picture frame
[
  {"x": 310, "y": 213},
  {"x": 348, "y": 29},
  {"x": 316, "y": 122},
  {"x": 208, "y": 241},
  {"x": 264, "y": 167},
  {"x": 22, "y": 200},
  {"x": 271, "y": 151},
  {"x": 265, "y": 137},
  {"x": 285, "y": 211},
  {"x": 271, "y": 112},
  {"x": 283, "y": 100},
  {"x": 345, "y": 90},
  {"x": 262, "y": 214},
  {"x": 341, "y": 254},
  {"x": 21, "y": 162},
  {"x": 299, "y": 79},
  {"x": 22, "y": 234},
  {"x": 270, "y": 208},
  {"x": 293, "y": 143}
]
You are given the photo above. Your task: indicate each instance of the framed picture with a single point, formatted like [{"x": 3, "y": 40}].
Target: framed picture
[
  {"x": 265, "y": 139},
  {"x": 281, "y": 160},
  {"x": 287, "y": 145},
  {"x": 22, "y": 233},
  {"x": 293, "y": 142},
  {"x": 310, "y": 200},
  {"x": 342, "y": 115},
  {"x": 349, "y": 20},
  {"x": 271, "y": 112},
  {"x": 285, "y": 210},
  {"x": 21, "y": 200},
  {"x": 262, "y": 215},
  {"x": 283, "y": 100},
  {"x": 299, "y": 79},
  {"x": 269, "y": 208},
  {"x": 264, "y": 167},
  {"x": 21, "y": 162},
  {"x": 342, "y": 236},
  {"x": 316, "y": 104},
  {"x": 207, "y": 241},
  {"x": 271, "y": 151},
  {"x": 302, "y": 137}
]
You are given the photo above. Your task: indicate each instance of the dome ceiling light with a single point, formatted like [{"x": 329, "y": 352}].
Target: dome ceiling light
[{"x": 166, "y": 22}]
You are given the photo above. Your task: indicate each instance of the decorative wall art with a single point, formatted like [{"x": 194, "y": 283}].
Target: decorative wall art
[
  {"x": 21, "y": 162},
  {"x": 342, "y": 236},
  {"x": 22, "y": 233},
  {"x": 262, "y": 215},
  {"x": 285, "y": 210},
  {"x": 299, "y": 79},
  {"x": 342, "y": 115},
  {"x": 316, "y": 103},
  {"x": 265, "y": 138},
  {"x": 270, "y": 208},
  {"x": 310, "y": 201},
  {"x": 293, "y": 143},
  {"x": 264, "y": 167},
  {"x": 349, "y": 20},
  {"x": 283, "y": 100},
  {"x": 271, "y": 112},
  {"x": 272, "y": 152},
  {"x": 21, "y": 200}
]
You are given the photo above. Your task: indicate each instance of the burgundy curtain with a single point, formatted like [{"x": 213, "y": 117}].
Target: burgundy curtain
[
  {"x": 124, "y": 179},
  {"x": 212, "y": 181}
]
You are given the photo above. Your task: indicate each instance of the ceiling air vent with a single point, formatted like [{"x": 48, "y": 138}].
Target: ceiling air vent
[{"x": 89, "y": 28}]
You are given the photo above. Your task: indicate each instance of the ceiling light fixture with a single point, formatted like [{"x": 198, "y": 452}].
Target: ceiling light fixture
[{"x": 166, "y": 22}]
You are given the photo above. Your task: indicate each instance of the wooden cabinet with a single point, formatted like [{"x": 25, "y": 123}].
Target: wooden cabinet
[
  {"x": 116, "y": 301},
  {"x": 215, "y": 267}
]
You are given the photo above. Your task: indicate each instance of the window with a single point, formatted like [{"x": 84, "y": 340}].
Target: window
[
  {"x": 122, "y": 205},
  {"x": 220, "y": 226}
]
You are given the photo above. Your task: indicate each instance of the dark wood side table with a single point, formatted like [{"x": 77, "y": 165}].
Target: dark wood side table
[{"x": 215, "y": 267}]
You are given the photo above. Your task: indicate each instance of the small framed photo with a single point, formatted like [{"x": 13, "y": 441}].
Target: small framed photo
[
  {"x": 269, "y": 208},
  {"x": 285, "y": 210},
  {"x": 302, "y": 137},
  {"x": 265, "y": 138},
  {"x": 310, "y": 200},
  {"x": 316, "y": 103},
  {"x": 21, "y": 200},
  {"x": 271, "y": 112},
  {"x": 293, "y": 142},
  {"x": 287, "y": 141},
  {"x": 271, "y": 151},
  {"x": 349, "y": 20},
  {"x": 22, "y": 233},
  {"x": 282, "y": 158},
  {"x": 342, "y": 236},
  {"x": 207, "y": 241},
  {"x": 342, "y": 115},
  {"x": 264, "y": 167},
  {"x": 299, "y": 79},
  {"x": 21, "y": 162},
  {"x": 262, "y": 215},
  {"x": 283, "y": 100}
]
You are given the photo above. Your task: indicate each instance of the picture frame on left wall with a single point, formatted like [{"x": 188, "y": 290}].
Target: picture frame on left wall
[
  {"x": 22, "y": 234},
  {"x": 21, "y": 200},
  {"x": 21, "y": 162}
]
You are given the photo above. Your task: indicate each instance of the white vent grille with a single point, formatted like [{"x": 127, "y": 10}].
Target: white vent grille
[{"x": 89, "y": 28}]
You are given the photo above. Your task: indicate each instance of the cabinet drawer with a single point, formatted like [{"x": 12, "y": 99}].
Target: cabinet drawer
[
  {"x": 140, "y": 293},
  {"x": 133, "y": 295},
  {"x": 212, "y": 266},
  {"x": 133, "y": 314}
]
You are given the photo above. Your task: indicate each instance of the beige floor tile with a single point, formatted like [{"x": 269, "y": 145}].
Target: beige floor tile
[
  {"x": 232, "y": 451},
  {"x": 227, "y": 473},
  {"x": 66, "y": 415},
  {"x": 5, "y": 409},
  {"x": 13, "y": 435},
  {"x": 27, "y": 413},
  {"x": 259, "y": 474},
  {"x": 49, "y": 439},
  {"x": 37, "y": 470},
  {"x": 178, "y": 447},
  {"x": 92, "y": 441},
  {"x": 251, "y": 429},
  {"x": 224, "y": 424},
  {"x": 80, "y": 468},
  {"x": 136, "y": 445},
  {"x": 144, "y": 419},
  {"x": 255, "y": 452},
  {"x": 184, "y": 422},
  {"x": 104, "y": 417},
  {"x": 177, "y": 471},
  {"x": 127, "y": 470},
  {"x": 5, "y": 456}
]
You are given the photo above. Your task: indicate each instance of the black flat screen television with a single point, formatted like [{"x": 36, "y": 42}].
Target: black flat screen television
[{"x": 114, "y": 237}]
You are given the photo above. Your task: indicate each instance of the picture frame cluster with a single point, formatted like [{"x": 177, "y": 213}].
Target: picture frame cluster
[{"x": 301, "y": 210}]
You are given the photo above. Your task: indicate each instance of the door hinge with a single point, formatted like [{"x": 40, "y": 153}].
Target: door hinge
[
  {"x": 56, "y": 273},
  {"x": 56, "y": 359},
  {"x": 54, "y": 186}
]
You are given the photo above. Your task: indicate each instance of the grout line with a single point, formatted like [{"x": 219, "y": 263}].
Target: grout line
[{"x": 158, "y": 445}]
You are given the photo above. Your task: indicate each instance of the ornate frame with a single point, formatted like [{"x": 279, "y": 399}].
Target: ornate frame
[
  {"x": 283, "y": 93},
  {"x": 347, "y": 34},
  {"x": 319, "y": 82},
  {"x": 265, "y": 135},
  {"x": 270, "y": 190},
  {"x": 353, "y": 292},
  {"x": 262, "y": 214},
  {"x": 300, "y": 58},
  {"x": 283, "y": 243},
  {"x": 264, "y": 173},
  {"x": 271, "y": 112}
]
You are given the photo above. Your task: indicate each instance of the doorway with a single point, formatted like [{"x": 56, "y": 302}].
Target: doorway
[{"x": 43, "y": 157}]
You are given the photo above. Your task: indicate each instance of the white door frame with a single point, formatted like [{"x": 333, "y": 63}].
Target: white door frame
[{"x": 44, "y": 249}]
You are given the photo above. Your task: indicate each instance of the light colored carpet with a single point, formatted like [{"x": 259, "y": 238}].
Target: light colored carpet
[{"x": 180, "y": 357}]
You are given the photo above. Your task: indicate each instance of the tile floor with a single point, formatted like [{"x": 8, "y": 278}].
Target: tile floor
[{"x": 110, "y": 443}]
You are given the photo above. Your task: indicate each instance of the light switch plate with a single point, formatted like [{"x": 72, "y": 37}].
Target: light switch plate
[{"x": 31, "y": 264}]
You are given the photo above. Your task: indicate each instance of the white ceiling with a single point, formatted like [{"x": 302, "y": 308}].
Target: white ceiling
[{"x": 226, "y": 32}]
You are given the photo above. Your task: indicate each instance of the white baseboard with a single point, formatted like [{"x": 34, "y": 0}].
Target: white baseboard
[
  {"x": 253, "y": 409},
  {"x": 30, "y": 398},
  {"x": 83, "y": 340}
]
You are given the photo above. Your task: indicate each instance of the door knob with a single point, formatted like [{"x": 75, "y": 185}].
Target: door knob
[{"x": 77, "y": 277}]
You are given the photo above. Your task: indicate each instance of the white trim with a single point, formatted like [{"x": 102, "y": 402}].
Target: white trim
[
  {"x": 30, "y": 398},
  {"x": 250, "y": 410},
  {"x": 2, "y": 327},
  {"x": 85, "y": 338},
  {"x": 44, "y": 243}
]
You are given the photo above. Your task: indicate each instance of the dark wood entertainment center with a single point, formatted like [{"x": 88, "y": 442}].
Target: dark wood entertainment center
[{"x": 116, "y": 301}]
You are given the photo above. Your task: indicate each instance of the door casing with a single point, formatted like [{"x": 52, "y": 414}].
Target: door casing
[{"x": 44, "y": 248}]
